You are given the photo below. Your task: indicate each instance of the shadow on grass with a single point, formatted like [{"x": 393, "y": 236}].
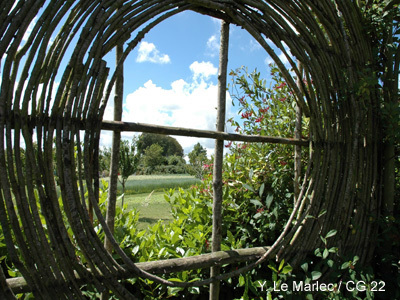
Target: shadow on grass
[
  {"x": 152, "y": 220},
  {"x": 145, "y": 222}
]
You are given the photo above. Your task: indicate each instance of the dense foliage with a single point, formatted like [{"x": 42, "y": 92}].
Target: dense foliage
[
  {"x": 169, "y": 145},
  {"x": 257, "y": 199},
  {"x": 147, "y": 154},
  {"x": 197, "y": 159},
  {"x": 128, "y": 162}
]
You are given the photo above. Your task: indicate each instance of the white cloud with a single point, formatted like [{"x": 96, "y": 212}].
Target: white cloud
[
  {"x": 203, "y": 70},
  {"x": 213, "y": 45},
  {"x": 149, "y": 53},
  {"x": 254, "y": 45},
  {"x": 186, "y": 104},
  {"x": 269, "y": 60}
]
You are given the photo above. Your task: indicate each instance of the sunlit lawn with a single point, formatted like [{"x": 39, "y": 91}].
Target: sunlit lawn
[
  {"x": 151, "y": 207},
  {"x": 138, "y": 184},
  {"x": 145, "y": 193}
]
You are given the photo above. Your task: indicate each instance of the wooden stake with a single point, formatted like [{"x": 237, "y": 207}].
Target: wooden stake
[
  {"x": 112, "y": 192},
  {"x": 219, "y": 155}
]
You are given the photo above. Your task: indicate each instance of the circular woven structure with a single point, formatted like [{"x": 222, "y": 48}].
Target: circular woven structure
[{"x": 325, "y": 36}]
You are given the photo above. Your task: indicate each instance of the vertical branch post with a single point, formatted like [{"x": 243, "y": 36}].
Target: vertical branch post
[
  {"x": 218, "y": 155},
  {"x": 297, "y": 149},
  {"x": 113, "y": 184}
]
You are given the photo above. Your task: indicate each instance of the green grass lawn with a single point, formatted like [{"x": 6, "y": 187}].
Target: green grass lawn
[
  {"x": 139, "y": 184},
  {"x": 145, "y": 193},
  {"x": 151, "y": 207}
]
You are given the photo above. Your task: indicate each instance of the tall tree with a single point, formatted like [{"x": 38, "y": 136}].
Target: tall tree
[
  {"x": 128, "y": 163},
  {"x": 105, "y": 160},
  {"x": 152, "y": 156},
  {"x": 197, "y": 159},
  {"x": 199, "y": 153},
  {"x": 169, "y": 145}
]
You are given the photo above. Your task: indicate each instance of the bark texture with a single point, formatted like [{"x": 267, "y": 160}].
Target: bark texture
[{"x": 219, "y": 155}]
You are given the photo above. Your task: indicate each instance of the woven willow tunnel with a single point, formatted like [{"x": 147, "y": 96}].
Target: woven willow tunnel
[{"x": 342, "y": 177}]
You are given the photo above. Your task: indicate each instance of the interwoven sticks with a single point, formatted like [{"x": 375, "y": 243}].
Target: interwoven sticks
[{"x": 325, "y": 36}]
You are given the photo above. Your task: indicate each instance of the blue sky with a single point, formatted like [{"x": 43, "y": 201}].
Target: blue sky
[{"x": 171, "y": 76}]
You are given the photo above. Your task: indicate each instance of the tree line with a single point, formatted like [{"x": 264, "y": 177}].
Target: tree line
[{"x": 151, "y": 153}]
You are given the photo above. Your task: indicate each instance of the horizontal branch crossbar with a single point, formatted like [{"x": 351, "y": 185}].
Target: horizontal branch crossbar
[
  {"x": 141, "y": 127},
  {"x": 169, "y": 130},
  {"x": 19, "y": 284}
]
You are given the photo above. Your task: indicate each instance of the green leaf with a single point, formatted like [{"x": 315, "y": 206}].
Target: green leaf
[
  {"x": 281, "y": 264},
  {"x": 287, "y": 269},
  {"x": 135, "y": 249},
  {"x": 175, "y": 237},
  {"x": 330, "y": 263},
  {"x": 322, "y": 213},
  {"x": 269, "y": 200},
  {"x": 333, "y": 250},
  {"x": 256, "y": 202},
  {"x": 275, "y": 212},
  {"x": 225, "y": 247},
  {"x": 345, "y": 265},
  {"x": 246, "y": 186},
  {"x": 331, "y": 233},
  {"x": 261, "y": 191},
  {"x": 315, "y": 275},
  {"x": 194, "y": 290},
  {"x": 309, "y": 297},
  {"x": 273, "y": 268},
  {"x": 304, "y": 267},
  {"x": 325, "y": 253},
  {"x": 231, "y": 238},
  {"x": 241, "y": 280},
  {"x": 141, "y": 233},
  {"x": 185, "y": 275},
  {"x": 257, "y": 215}
]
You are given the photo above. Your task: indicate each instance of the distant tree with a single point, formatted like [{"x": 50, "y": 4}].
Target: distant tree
[
  {"x": 198, "y": 153},
  {"x": 169, "y": 145},
  {"x": 128, "y": 162},
  {"x": 153, "y": 157},
  {"x": 198, "y": 158},
  {"x": 104, "y": 160},
  {"x": 176, "y": 165},
  {"x": 175, "y": 160}
]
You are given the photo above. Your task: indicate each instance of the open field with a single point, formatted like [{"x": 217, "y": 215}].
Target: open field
[
  {"x": 151, "y": 207},
  {"x": 145, "y": 193},
  {"x": 139, "y": 184}
]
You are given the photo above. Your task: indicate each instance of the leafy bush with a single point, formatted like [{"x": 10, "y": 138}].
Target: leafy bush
[{"x": 257, "y": 200}]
